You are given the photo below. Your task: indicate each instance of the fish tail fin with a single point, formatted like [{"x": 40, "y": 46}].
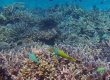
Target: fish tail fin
[{"x": 73, "y": 59}]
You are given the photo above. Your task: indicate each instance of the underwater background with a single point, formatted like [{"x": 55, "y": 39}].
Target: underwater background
[
  {"x": 54, "y": 40},
  {"x": 87, "y": 4}
]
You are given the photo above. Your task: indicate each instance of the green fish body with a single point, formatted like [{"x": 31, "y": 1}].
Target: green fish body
[
  {"x": 58, "y": 52},
  {"x": 104, "y": 36},
  {"x": 100, "y": 69},
  {"x": 33, "y": 57}
]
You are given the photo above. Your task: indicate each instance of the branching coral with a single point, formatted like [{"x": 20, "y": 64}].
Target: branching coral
[
  {"x": 75, "y": 25},
  {"x": 5, "y": 33},
  {"x": 42, "y": 70},
  {"x": 48, "y": 23},
  {"x": 19, "y": 66},
  {"x": 2, "y": 18},
  {"x": 72, "y": 22},
  {"x": 46, "y": 34},
  {"x": 9, "y": 14},
  {"x": 3, "y": 75}
]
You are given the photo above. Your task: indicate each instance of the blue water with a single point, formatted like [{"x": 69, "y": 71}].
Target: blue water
[{"x": 87, "y": 4}]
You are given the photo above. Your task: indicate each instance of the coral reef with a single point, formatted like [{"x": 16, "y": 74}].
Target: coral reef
[
  {"x": 2, "y": 18},
  {"x": 4, "y": 33},
  {"x": 71, "y": 23},
  {"x": 48, "y": 23},
  {"x": 19, "y": 66},
  {"x": 83, "y": 35}
]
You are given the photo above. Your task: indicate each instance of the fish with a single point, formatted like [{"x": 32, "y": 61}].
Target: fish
[
  {"x": 33, "y": 57},
  {"x": 79, "y": 0},
  {"x": 101, "y": 2},
  {"x": 58, "y": 52},
  {"x": 100, "y": 69},
  {"x": 104, "y": 36}
]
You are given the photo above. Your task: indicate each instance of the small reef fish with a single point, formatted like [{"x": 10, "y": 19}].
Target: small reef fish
[
  {"x": 100, "y": 69},
  {"x": 104, "y": 36},
  {"x": 56, "y": 51},
  {"x": 33, "y": 57},
  {"x": 79, "y": 0},
  {"x": 102, "y": 2}
]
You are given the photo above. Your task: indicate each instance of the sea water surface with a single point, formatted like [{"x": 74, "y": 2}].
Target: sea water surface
[{"x": 87, "y": 4}]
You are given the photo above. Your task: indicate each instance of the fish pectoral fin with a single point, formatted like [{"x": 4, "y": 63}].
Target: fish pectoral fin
[{"x": 53, "y": 53}]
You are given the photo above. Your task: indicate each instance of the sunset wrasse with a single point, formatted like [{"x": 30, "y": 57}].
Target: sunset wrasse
[{"x": 58, "y": 52}]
